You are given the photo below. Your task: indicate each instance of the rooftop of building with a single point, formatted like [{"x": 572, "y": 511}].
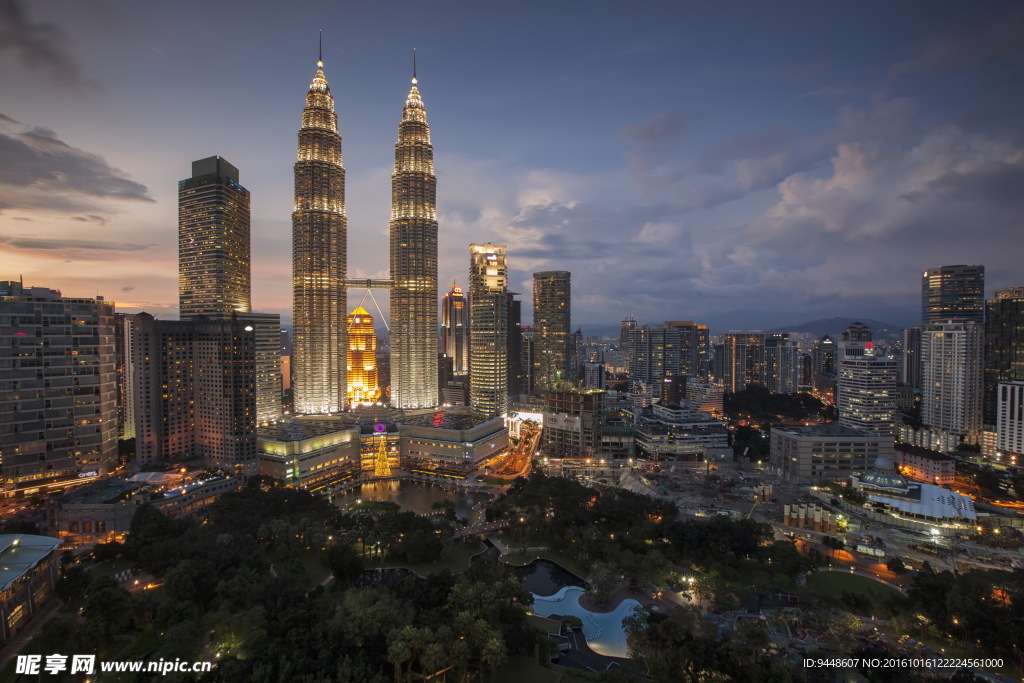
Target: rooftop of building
[
  {"x": 446, "y": 419},
  {"x": 922, "y": 452},
  {"x": 826, "y": 429},
  {"x": 21, "y": 552},
  {"x": 301, "y": 429}
]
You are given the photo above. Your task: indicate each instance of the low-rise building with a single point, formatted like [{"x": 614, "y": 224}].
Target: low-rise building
[
  {"x": 923, "y": 464},
  {"x": 825, "y": 451},
  {"x": 891, "y": 492},
  {"x": 309, "y": 454},
  {"x": 678, "y": 431},
  {"x": 28, "y": 576}
]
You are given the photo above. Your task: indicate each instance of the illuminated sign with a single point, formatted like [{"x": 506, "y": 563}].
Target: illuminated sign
[
  {"x": 380, "y": 428},
  {"x": 90, "y": 473}
]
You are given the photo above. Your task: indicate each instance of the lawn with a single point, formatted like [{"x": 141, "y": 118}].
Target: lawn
[
  {"x": 831, "y": 585},
  {"x": 112, "y": 567},
  {"x": 455, "y": 557}
]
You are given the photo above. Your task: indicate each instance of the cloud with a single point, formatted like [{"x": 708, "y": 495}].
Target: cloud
[
  {"x": 36, "y": 45},
  {"x": 127, "y": 288},
  {"x": 40, "y": 171},
  {"x": 950, "y": 197},
  {"x": 655, "y": 142},
  {"x": 71, "y": 248},
  {"x": 993, "y": 36}
]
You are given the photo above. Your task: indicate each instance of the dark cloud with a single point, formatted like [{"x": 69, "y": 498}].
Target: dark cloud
[
  {"x": 972, "y": 41},
  {"x": 127, "y": 288},
  {"x": 846, "y": 236},
  {"x": 36, "y": 45},
  {"x": 32, "y": 242},
  {"x": 38, "y": 170},
  {"x": 655, "y": 142}
]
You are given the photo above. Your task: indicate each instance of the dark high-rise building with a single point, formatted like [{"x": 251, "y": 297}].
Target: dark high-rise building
[
  {"x": 552, "y": 311},
  {"x": 195, "y": 392},
  {"x": 953, "y": 293},
  {"x": 911, "y": 371},
  {"x": 414, "y": 261},
  {"x": 782, "y": 364},
  {"x": 517, "y": 379},
  {"x": 58, "y": 387},
  {"x": 213, "y": 241},
  {"x": 319, "y": 253},
  {"x": 743, "y": 362},
  {"x": 825, "y": 357},
  {"x": 488, "y": 329},
  {"x": 1004, "y": 345},
  {"x": 455, "y": 330}
]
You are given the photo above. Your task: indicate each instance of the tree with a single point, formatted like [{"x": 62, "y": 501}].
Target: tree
[
  {"x": 493, "y": 655},
  {"x": 896, "y": 566}
]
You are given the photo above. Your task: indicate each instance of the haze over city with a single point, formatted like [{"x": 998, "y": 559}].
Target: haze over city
[{"x": 681, "y": 160}]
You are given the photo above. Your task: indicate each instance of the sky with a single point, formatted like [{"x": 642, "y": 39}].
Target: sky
[{"x": 729, "y": 162}]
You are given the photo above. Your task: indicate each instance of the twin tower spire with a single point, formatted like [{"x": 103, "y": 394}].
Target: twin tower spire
[{"x": 319, "y": 259}]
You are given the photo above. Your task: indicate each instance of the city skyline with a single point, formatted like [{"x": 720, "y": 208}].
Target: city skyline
[{"x": 623, "y": 148}]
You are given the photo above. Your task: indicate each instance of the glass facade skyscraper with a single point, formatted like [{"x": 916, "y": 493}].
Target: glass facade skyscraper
[
  {"x": 414, "y": 261},
  {"x": 213, "y": 241},
  {"x": 319, "y": 253}
]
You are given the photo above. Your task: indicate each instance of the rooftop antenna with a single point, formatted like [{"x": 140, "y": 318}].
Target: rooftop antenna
[
  {"x": 320, "y": 53},
  {"x": 414, "y": 81}
]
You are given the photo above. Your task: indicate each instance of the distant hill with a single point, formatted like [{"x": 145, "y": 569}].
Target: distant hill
[{"x": 833, "y": 327}]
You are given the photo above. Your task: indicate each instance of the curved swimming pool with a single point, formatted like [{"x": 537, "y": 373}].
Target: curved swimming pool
[{"x": 603, "y": 630}]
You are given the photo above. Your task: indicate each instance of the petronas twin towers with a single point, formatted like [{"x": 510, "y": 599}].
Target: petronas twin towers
[{"x": 319, "y": 254}]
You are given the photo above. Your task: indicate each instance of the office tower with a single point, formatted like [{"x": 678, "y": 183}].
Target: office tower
[
  {"x": 856, "y": 332},
  {"x": 641, "y": 354},
  {"x": 1004, "y": 345},
  {"x": 213, "y": 241},
  {"x": 593, "y": 375},
  {"x": 413, "y": 261},
  {"x": 693, "y": 350},
  {"x": 866, "y": 384},
  {"x": 362, "y": 358},
  {"x": 805, "y": 373},
  {"x": 455, "y": 330},
  {"x": 488, "y": 329},
  {"x": 951, "y": 380},
  {"x": 742, "y": 360},
  {"x": 517, "y": 381},
  {"x": 628, "y": 324},
  {"x": 552, "y": 312},
  {"x": 529, "y": 377},
  {"x": 782, "y": 364},
  {"x": 319, "y": 253},
  {"x": 577, "y": 356},
  {"x": 825, "y": 357},
  {"x": 953, "y": 293},
  {"x": 58, "y": 387},
  {"x": 1010, "y": 422},
  {"x": 911, "y": 372},
  {"x": 125, "y": 372},
  {"x": 195, "y": 392},
  {"x": 266, "y": 328}
]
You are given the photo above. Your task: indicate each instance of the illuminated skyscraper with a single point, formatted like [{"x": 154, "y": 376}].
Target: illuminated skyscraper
[
  {"x": 951, "y": 381},
  {"x": 953, "y": 293},
  {"x": 866, "y": 384},
  {"x": 319, "y": 233},
  {"x": 488, "y": 329},
  {"x": 455, "y": 330},
  {"x": 213, "y": 241},
  {"x": 362, "y": 358},
  {"x": 743, "y": 360},
  {"x": 552, "y": 313},
  {"x": 58, "y": 388},
  {"x": 414, "y": 261}
]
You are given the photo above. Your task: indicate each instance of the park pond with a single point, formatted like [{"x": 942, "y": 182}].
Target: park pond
[
  {"x": 603, "y": 630},
  {"x": 416, "y": 496}
]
